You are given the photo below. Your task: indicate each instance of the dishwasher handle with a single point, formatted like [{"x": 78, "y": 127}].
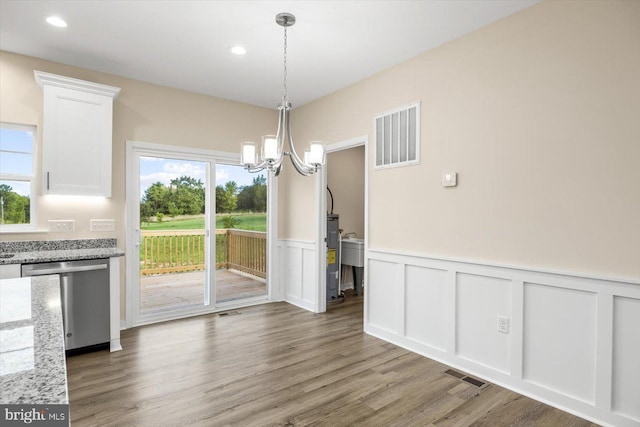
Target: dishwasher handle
[{"x": 62, "y": 270}]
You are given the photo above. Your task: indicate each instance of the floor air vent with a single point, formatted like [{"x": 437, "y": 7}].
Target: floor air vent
[
  {"x": 473, "y": 381},
  {"x": 228, "y": 313},
  {"x": 456, "y": 374},
  {"x": 465, "y": 378}
]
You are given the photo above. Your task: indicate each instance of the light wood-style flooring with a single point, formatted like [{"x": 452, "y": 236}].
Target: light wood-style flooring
[
  {"x": 278, "y": 365},
  {"x": 167, "y": 291}
]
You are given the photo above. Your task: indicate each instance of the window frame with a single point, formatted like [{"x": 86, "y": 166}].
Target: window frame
[{"x": 31, "y": 179}]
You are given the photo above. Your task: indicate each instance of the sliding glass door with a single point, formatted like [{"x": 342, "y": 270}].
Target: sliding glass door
[
  {"x": 172, "y": 217},
  {"x": 241, "y": 234},
  {"x": 196, "y": 233},
  {"x": 173, "y": 234}
]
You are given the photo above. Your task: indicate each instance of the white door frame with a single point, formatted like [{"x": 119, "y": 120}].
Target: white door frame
[
  {"x": 137, "y": 148},
  {"x": 321, "y": 210}
]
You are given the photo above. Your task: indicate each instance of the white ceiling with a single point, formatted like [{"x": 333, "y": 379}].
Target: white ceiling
[{"x": 184, "y": 44}]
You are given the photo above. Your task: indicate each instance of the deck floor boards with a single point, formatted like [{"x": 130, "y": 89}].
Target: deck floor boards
[{"x": 167, "y": 291}]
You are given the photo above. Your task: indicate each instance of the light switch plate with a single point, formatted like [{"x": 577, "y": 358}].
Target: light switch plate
[
  {"x": 102, "y": 225},
  {"x": 61, "y": 225},
  {"x": 449, "y": 179}
]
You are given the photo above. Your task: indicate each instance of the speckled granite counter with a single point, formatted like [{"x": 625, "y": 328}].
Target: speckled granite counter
[
  {"x": 26, "y": 252},
  {"x": 32, "y": 357}
]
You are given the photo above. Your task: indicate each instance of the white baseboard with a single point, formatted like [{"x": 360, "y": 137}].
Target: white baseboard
[{"x": 307, "y": 305}]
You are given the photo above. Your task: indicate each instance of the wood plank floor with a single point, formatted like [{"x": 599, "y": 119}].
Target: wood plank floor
[
  {"x": 278, "y": 365},
  {"x": 167, "y": 291}
]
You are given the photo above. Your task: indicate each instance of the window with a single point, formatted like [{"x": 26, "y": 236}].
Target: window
[
  {"x": 17, "y": 210},
  {"x": 398, "y": 136}
]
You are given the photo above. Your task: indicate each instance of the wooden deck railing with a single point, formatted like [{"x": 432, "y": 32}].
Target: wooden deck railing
[
  {"x": 246, "y": 251},
  {"x": 173, "y": 251}
]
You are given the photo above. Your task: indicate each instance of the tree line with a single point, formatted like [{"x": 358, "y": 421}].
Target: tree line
[
  {"x": 14, "y": 208},
  {"x": 186, "y": 196}
]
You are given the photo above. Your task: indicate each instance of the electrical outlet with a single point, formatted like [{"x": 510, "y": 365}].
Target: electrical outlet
[
  {"x": 102, "y": 225},
  {"x": 503, "y": 324},
  {"x": 62, "y": 225}
]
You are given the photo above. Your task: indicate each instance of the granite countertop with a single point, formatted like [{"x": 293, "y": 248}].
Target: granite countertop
[
  {"x": 61, "y": 255},
  {"x": 26, "y": 252},
  {"x": 32, "y": 357}
]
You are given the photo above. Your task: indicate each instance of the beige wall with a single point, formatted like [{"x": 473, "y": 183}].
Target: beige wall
[
  {"x": 142, "y": 112},
  {"x": 345, "y": 178},
  {"x": 538, "y": 113}
]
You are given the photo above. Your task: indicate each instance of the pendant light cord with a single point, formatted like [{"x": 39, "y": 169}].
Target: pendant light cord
[{"x": 284, "y": 96}]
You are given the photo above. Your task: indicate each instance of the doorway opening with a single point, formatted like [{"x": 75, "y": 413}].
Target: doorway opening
[{"x": 342, "y": 206}]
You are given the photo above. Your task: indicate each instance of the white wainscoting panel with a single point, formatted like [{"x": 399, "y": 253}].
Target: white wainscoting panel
[
  {"x": 573, "y": 341},
  {"x": 560, "y": 340},
  {"x": 479, "y": 302},
  {"x": 626, "y": 357},
  {"x": 308, "y": 275},
  {"x": 294, "y": 273},
  {"x": 383, "y": 291},
  {"x": 426, "y": 314},
  {"x": 299, "y": 265}
]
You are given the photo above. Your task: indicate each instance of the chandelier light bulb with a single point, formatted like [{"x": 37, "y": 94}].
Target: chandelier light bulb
[
  {"x": 270, "y": 149},
  {"x": 249, "y": 153}
]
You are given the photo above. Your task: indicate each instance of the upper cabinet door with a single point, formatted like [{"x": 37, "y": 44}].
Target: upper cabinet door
[{"x": 77, "y": 136}]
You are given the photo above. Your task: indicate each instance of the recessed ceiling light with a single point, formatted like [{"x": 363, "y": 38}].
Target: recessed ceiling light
[
  {"x": 56, "y": 21},
  {"x": 238, "y": 50}
]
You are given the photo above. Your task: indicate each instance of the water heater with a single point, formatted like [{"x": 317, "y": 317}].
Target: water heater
[{"x": 333, "y": 258}]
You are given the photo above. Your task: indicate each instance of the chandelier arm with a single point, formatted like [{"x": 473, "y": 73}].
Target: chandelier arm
[
  {"x": 282, "y": 120},
  {"x": 256, "y": 168},
  {"x": 301, "y": 168},
  {"x": 295, "y": 159},
  {"x": 278, "y": 163}
]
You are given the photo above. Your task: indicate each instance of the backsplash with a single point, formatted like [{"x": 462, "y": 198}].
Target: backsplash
[{"x": 55, "y": 245}]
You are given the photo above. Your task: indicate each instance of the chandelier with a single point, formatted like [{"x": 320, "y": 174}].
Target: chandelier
[{"x": 273, "y": 147}]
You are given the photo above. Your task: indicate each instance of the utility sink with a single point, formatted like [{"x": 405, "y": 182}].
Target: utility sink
[{"x": 353, "y": 252}]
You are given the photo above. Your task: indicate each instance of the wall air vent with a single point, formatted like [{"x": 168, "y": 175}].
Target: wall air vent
[{"x": 398, "y": 136}]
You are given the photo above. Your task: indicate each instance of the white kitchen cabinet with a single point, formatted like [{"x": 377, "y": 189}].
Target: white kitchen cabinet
[{"x": 77, "y": 136}]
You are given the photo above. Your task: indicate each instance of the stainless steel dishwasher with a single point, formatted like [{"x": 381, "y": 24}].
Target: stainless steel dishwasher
[{"x": 84, "y": 290}]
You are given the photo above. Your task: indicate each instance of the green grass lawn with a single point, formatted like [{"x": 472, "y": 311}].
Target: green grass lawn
[{"x": 255, "y": 222}]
